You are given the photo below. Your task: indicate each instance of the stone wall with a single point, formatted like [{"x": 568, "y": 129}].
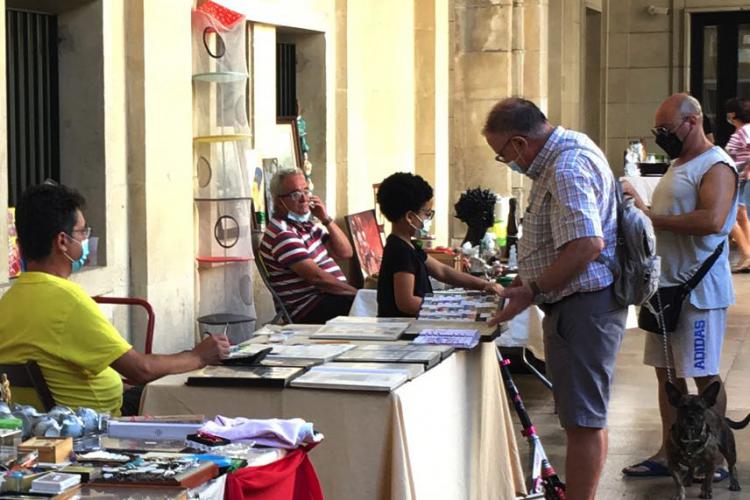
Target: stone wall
[
  {"x": 498, "y": 49},
  {"x": 646, "y": 62}
]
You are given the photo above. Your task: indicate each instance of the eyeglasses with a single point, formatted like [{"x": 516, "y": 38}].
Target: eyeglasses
[
  {"x": 657, "y": 131},
  {"x": 86, "y": 232},
  {"x": 499, "y": 157},
  {"x": 428, "y": 213},
  {"x": 297, "y": 195}
]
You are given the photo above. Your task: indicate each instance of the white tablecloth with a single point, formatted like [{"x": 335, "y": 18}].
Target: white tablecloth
[{"x": 446, "y": 434}]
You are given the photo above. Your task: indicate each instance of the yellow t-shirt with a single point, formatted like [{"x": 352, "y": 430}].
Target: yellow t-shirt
[{"x": 52, "y": 321}]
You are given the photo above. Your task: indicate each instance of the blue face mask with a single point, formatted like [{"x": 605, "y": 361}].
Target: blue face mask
[
  {"x": 295, "y": 217},
  {"x": 514, "y": 166},
  {"x": 78, "y": 264},
  {"x": 301, "y": 218}
]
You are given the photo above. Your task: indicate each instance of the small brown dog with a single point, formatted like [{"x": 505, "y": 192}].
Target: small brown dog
[{"x": 698, "y": 437}]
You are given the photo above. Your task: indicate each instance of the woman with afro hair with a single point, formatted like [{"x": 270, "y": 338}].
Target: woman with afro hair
[{"x": 406, "y": 201}]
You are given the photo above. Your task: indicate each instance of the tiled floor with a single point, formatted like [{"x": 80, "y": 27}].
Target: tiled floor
[{"x": 634, "y": 417}]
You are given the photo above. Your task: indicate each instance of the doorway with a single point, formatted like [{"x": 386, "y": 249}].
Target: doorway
[{"x": 719, "y": 64}]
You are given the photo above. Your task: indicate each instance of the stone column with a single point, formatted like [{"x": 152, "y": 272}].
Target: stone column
[
  {"x": 160, "y": 173},
  {"x": 482, "y": 64}
]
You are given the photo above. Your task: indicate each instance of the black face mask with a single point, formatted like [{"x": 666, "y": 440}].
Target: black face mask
[{"x": 670, "y": 143}]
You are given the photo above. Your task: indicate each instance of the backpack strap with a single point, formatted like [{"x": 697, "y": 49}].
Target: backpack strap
[{"x": 610, "y": 262}]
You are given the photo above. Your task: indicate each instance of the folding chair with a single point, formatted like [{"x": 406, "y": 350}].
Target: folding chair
[
  {"x": 129, "y": 301},
  {"x": 282, "y": 315},
  {"x": 29, "y": 375}
]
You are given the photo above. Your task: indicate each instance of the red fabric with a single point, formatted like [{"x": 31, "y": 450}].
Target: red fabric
[
  {"x": 226, "y": 17},
  {"x": 291, "y": 478}
]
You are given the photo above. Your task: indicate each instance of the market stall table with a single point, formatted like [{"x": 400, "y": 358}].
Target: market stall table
[{"x": 446, "y": 434}]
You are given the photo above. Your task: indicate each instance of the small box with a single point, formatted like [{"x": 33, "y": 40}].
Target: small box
[
  {"x": 151, "y": 430},
  {"x": 51, "y": 449},
  {"x": 10, "y": 440}
]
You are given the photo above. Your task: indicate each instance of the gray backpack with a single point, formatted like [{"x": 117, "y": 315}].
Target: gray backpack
[{"x": 636, "y": 267}]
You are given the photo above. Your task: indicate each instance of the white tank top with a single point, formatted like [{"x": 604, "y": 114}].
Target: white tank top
[{"x": 682, "y": 254}]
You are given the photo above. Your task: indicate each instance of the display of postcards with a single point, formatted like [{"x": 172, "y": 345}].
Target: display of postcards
[
  {"x": 462, "y": 339},
  {"x": 413, "y": 369},
  {"x": 486, "y": 332},
  {"x": 395, "y": 353},
  {"x": 361, "y": 331},
  {"x": 181, "y": 471},
  {"x": 458, "y": 291},
  {"x": 244, "y": 376},
  {"x": 347, "y": 320},
  {"x": 145, "y": 445},
  {"x": 322, "y": 352},
  {"x": 332, "y": 377},
  {"x": 54, "y": 483}
]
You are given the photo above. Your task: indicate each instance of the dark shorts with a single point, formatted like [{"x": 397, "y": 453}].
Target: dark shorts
[{"x": 582, "y": 335}]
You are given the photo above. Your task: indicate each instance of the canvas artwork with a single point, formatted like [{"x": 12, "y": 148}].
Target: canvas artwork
[
  {"x": 368, "y": 244},
  {"x": 286, "y": 143},
  {"x": 270, "y": 167}
]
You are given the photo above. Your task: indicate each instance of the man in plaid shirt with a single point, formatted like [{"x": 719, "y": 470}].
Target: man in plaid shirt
[{"x": 569, "y": 229}]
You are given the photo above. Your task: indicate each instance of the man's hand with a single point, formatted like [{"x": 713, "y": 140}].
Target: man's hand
[
  {"x": 212, "y": 349},
  {"x": 629, "y": 190},
  {"x": 317, "y": 208},
  {"x": 493, "y": 287},
  {"x": 517, "y": 299}
]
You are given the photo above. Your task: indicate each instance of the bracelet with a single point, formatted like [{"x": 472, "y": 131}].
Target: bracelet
[{"x": 327, "y": 220}]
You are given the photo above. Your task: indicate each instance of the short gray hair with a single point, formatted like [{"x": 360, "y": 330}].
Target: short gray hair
[
  {"x": 689, "y": 106},
  {"x": 515, "y": 114},
  {"x": 279, "y": 176}
]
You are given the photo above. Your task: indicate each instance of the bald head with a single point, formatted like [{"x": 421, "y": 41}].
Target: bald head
[{"x": 676, "y": 108}]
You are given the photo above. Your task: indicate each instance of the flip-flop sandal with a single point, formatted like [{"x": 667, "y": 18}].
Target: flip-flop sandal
[
  {"x": 652, "y": 469},
  {"x": 720, "y": 474}
]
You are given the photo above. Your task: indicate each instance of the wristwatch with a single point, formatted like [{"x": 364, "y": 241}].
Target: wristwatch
[
  {"x": 327, "y": 220},
  {"x": 535, "y": 290}
]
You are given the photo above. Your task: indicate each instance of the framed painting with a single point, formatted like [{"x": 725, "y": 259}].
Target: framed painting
[
  {"x": 368, "y": 244},
  {"x": 286, "y": 143}
]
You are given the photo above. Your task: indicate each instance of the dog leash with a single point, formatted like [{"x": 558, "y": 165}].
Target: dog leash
[{"x": 665, "y": 342}]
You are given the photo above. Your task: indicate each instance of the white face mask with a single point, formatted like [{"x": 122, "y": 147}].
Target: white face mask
[{"x": 425, "y": 229}]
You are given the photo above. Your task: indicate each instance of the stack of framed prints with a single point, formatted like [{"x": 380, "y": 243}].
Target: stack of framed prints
[{"x": 245, "y": 376}]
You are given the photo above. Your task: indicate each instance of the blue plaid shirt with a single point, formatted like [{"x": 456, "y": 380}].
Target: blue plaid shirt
[{"x": 572, "y": 197}]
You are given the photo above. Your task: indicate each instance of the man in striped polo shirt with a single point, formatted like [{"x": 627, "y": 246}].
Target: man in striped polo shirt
[{"x": 299, "y": 253}]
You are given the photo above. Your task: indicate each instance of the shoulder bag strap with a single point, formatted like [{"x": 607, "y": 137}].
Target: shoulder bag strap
[{"x": 703, "y": 270}]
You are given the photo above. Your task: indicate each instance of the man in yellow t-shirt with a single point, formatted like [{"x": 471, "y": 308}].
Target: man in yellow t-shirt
[{"x": 46, "y": 318}]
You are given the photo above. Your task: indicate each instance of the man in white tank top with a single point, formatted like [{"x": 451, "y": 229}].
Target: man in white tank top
[{"x": 693, "y": 209}]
